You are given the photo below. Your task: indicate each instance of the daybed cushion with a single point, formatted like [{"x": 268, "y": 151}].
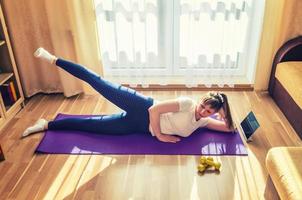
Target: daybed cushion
[
  {"x": 289, "y": 75},
  {"x": 284, "y": 164}
]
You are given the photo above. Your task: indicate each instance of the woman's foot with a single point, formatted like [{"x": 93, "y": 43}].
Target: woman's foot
[
  {"x": 39, "y": 126},
  {"x": 42, "y": 53}
]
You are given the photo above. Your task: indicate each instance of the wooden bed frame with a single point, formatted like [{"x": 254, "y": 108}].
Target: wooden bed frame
[{"x": 290, "y": 51}]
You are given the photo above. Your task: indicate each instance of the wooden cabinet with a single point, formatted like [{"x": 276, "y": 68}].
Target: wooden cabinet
[{"x": 11, "y": 94}]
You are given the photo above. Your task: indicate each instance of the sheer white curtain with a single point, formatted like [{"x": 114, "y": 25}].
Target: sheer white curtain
[{"x": 194, "y": 41}]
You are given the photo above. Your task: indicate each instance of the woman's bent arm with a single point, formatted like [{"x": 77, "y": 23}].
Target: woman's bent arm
[
  {"x": 154, "y": 114},
  {"x": 218, "y": 125}
]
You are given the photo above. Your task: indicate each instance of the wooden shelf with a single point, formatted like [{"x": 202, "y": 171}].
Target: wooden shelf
[
  {"x": 4, "y": 77},
  {"x": 9, "y": 106}
]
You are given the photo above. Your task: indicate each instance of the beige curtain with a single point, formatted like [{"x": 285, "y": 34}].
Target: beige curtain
[{"x": 65, "y": 28}]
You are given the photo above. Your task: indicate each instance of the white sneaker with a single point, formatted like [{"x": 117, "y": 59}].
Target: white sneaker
[{"x": 42, "y": 53}]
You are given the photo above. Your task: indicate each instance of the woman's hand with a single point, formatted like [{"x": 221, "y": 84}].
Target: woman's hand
[{"x": 167, "y": 138}]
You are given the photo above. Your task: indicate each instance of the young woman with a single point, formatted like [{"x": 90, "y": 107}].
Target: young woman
[{"x": 165, "y": 120}]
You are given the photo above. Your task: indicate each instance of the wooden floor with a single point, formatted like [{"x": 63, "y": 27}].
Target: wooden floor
[{"x": 25, "y": 175}]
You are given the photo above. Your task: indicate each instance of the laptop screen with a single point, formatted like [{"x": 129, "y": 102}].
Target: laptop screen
[{"x": 249, "y": 125}]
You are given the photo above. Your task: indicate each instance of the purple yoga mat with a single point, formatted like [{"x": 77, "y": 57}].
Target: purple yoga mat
[{"x": 201, "y": 142}]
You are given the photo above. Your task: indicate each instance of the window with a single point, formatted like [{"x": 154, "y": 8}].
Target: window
[{"x": 188, "y": 39}]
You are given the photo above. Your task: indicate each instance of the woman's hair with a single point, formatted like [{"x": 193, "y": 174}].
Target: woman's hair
[{"x": 218, "y": 100}]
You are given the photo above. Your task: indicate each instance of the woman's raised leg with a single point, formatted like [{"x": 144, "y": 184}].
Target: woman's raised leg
[{"x": 123, "y": 97}]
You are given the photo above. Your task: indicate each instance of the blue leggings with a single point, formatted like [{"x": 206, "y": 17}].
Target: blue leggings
[{"x": 135, "y": 117}]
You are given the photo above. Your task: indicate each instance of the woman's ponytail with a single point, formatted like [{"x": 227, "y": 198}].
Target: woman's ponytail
[
  {"x": 219, "y": 101},
  {"x": 227, "y": 112}
]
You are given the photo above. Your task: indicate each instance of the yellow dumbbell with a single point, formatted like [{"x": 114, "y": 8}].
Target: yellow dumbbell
[
  {"x": 210, "y": 158},
  {"x": 201, "y": 168},
  {"x": 216, "y": 165},
  {"x": 202, "y": 160},
  {"x": 205, "y": 162}
]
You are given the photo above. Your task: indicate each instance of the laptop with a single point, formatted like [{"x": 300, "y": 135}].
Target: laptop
[{"x": 249, "y": 125}]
